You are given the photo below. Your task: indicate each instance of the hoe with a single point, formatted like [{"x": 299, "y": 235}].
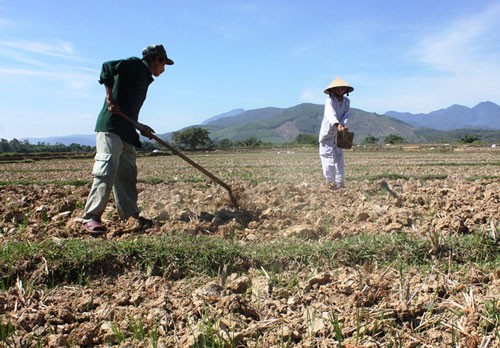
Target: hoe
[{"x": 232, "y": 197}]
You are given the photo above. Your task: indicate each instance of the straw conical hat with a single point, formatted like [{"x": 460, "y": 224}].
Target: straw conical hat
[{"x": 338, "y": 82}]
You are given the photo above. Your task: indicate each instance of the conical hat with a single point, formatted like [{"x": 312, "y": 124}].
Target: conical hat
[{"x": 338, "y": 82}]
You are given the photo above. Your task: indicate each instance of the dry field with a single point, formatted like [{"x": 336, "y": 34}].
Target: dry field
[{"x": 407, "y": 255}]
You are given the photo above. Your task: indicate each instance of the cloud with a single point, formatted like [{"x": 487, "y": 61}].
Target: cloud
[
  {"x": 312, "y": 95},
  {"x": 78, "y": 79},
  {"x": 461, "y": 63},
  {"x": 42, "y": 62},
  {"x": 469, "y": 44},
  {"x": 55, "y": 48}
]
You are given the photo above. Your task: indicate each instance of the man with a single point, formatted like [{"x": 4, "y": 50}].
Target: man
[
  {"x": 335, "y": 116},
  {"x": 126, "y": 82}
]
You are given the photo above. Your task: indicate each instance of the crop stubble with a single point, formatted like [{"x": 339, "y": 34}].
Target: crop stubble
[{"x": 432, "y": 193}]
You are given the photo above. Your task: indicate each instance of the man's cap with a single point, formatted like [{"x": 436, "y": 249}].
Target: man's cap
[
  {"x": 156, "y": 51},
  {"x": 338, "y": 82}
]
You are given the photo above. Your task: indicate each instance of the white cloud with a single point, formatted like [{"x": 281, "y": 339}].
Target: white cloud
[
  {"x": 74, "y": 79},
  {"x": 463, "y": 67},
  {"x": 55, "y": 48},
  {"x": 32, "y": 62},
  {"x": 469, "y": 45}
]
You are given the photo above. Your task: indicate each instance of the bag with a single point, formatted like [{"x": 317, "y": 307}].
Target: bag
[{"x": 344, "y": 139}]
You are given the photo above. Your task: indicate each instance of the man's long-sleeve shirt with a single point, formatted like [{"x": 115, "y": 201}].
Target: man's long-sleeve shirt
[{"x": 129, "y": 80}]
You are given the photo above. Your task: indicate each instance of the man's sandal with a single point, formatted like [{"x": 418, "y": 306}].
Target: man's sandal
[
  {"x": 94, "y": 228},
  {"x": 145, "y": 222}
]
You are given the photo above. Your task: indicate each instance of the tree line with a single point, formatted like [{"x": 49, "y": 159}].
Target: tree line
[
  {"x": 197, "y": 138},
  {"x": 24, "y": 146}
]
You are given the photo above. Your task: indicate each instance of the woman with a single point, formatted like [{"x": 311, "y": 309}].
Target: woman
[{"x": 334, "y": 118}]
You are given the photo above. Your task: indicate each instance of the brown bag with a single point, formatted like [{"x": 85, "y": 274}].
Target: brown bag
[{"x": 345, "y": 138}]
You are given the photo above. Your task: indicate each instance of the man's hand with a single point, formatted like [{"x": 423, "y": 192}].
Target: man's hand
[
  {"x": 112, "y": 106},
  {"x": 145, "y": 130}
]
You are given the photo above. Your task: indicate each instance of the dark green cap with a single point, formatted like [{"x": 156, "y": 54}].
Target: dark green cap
[{"x": 156, "y": 51}]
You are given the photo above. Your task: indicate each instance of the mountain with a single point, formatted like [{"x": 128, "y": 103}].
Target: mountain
[
  {"x": 485, "y": 115},
  {"x": 82, "y": 139},
  {"x": 281, "y": 125},
  {"x": 231, "y": 113}
]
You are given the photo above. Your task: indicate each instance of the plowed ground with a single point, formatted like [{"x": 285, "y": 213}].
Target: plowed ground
[{"x": 425, "y": 193}]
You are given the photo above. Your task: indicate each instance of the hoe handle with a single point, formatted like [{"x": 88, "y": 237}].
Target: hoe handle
[
  {"x": 191, "y": 162},
  {"x": 185, "y": 158}
]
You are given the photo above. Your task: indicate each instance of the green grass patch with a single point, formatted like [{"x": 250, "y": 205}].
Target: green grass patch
[
  {"x": 394, "y": 176},
  {"x": 76, "y": 260},
  {"x": 76, "y": 183},
  {"x": 152, "y": 180},
  {"x": 483, "y": 177},
  {"x": 39, "y": 170},
  {"x": 457, "y": 164}
]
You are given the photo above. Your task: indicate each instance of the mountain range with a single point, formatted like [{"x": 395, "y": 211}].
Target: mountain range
[
  {"x": 485, "y": 115},
  {"x": 231, "y": 113},
  {"x": 281, "y": 125}
]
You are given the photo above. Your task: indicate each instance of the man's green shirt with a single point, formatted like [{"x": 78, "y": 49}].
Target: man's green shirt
[{"x": 129, "y": 80}]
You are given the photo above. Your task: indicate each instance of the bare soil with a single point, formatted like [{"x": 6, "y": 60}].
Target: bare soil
[{"x": 427, "y": 192}]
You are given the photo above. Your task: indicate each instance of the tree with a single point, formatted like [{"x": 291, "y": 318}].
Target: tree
[
  {"x": 4, "y": 145},
  {"x": 249, "y": 142},
  {"x": 24, "y": 146},
  {"x": 393, "y": 139},
  {"x": 192, "y": 137},
  {"x": 224, "y": 143},
  {"x": 16, "y": 146},
  {"x": 470, "y": 138},
  {"x": 252, "y": 142},
  {"x": 306, "y": 138},
  {"x": 370, "y": 140},
  {"x": 149, "y": 146}
]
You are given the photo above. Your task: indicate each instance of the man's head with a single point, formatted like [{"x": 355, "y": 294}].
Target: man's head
[{"x": 156, "y": 57}]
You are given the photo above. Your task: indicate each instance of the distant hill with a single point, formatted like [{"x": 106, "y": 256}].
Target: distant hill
[
  {"x": 231, "y": 113},
  {"x": 485, "y": 115},
  {"x": 281, "y": 125},
  {"x": 82, "y": 139}
]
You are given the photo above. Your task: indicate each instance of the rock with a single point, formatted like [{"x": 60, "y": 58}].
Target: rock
[
  {"x": 238, "y": 285},
  {"x": 136, "y": 299},
  {"x": 458, "y": 226},
  {"x": 346, "y": 287},
  {"x": 362, "y": 217},
  {"x": 305, "y": 232},
  {"x": 393, "y": 226},
  {"x": 108, "y": 332},
  {"x": 319, "y": 279},
  {"x": 66, "y": 315},
  {"x": 57, "y": 340},
  {"x": 260, "y": 288},
  {"x": 314, "y": 321}
]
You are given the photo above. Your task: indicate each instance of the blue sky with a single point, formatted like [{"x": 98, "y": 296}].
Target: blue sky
[{"x": 415, "y": 56}]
